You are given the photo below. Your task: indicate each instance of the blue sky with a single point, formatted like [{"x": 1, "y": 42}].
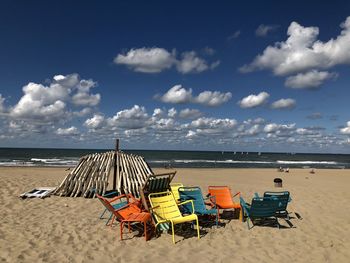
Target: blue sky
[{"x": 205, "y": 76}]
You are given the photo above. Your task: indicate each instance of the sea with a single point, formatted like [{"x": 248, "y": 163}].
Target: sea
[{"x": 179, "y": 159}]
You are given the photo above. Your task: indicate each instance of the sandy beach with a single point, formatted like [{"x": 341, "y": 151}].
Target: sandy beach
[{"x": 58, "y": 229}]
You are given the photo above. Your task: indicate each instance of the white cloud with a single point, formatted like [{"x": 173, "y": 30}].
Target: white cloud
[
  {"x": 155, "y": 60},
  {"x": 310, "y": 79},
  {"x": 172, "y": 113},
  {"x": 346, "y": 130},
  {"x": 96, "y": 122},
  {"x": 212, "y": 123},
  {"x": 283, "y": 104},
  {"x": 263, "y": 30},
  {"x": 68, "y": 131},
  {"x": 49, "y": 103},
  {"x": 273, "y": 127},
  {"x": 2, "y": 106},
  {"x": 191, "y": 63},
  {"x": 302, "y": 51},
  {"x": 189, "y": 113},
  {"x": 252, "y": 100},
  {"x": 215, "y": 98},
  {"x": 178, "y": 94},
  {"x": 146, "y": 60},
  {"x": 134, "y": 118},
  {"x": 157, "y": 113}
]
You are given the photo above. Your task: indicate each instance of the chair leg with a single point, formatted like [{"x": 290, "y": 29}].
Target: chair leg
[
  {"x": 109, "y": 219},
  {"x": 104, "y": 211},
  {"x": 172, "y": 231},
  {"x": 121, "y": 230},
  {"x": 197, "y": 228}
]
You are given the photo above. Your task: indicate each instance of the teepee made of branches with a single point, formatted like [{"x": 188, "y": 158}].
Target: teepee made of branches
[{"x": 91, "y": 175}]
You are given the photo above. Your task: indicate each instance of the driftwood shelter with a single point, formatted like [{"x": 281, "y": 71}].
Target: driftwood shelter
[{"x": 91, "y": 175}]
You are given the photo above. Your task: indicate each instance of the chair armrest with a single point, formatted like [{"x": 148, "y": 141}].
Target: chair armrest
[
  {"x": 212, "y": 200},
  {"x": 118, "y": 197},
  {"x": 245, "y": 206},
  {"x": 239, "y": 193},
  {"x": 188, "y": 201}
]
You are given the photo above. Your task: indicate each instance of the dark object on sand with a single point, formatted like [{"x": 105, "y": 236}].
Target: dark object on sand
[
  {"x": 298, "y": 216},
  {"x": 278, "y": 182}
]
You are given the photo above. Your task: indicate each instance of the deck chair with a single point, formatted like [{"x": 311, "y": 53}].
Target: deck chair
[
  {"x": 200, "y": 208},
  {"x": 175, "y": 189},
  {"x": 155, "y": 183},
  {"x": 224, "y": 198},
  {"x": 260, "y": 209},
  {"x": 129, "y": 213},
  {"x": 126, "y": 201},
  {"x": 115, "y": 202},
  {"x": 284, "y": 199},
  {"x": 166, "y": 210}
]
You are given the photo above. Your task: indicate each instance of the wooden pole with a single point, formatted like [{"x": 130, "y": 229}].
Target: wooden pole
[{"x": 115, "y": 164}]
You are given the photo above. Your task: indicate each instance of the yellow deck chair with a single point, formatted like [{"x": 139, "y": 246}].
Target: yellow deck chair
[
  {"x": 175, "y": 189},
  {"x": 165, "y": 210}
]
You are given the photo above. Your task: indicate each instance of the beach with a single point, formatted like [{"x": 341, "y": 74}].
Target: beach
[{"x": 61, "y": 229}]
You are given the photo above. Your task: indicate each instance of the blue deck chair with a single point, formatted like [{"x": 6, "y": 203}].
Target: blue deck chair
[
  {"x": 261, "y": 209},
  {"x": 200, "y": 209},
  {"x": 283, "y": 198}
]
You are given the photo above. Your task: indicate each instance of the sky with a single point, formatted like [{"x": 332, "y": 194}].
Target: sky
[{"x": 199, "y": 75}]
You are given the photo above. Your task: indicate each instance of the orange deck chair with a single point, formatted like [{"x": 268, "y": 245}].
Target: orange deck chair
[
  {"x": 224, "y": 198},
  {"x": 130, "y": 213}
]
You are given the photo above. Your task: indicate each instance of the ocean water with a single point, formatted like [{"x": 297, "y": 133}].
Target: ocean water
[{"x": 195, "y": 159}]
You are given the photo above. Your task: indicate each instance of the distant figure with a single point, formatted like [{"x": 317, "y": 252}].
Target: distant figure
[
  {"x": 312, "y": 171},
  {"x": 287, "y": 170},
  {"x": 280, "y": 169}
]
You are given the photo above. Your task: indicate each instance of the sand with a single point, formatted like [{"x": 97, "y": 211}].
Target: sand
[{"x": 58, "y": 229}]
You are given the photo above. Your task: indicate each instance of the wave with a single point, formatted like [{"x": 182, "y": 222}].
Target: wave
[{"x": 306, "y": 162}]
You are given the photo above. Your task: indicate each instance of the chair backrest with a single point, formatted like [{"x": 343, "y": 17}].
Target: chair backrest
[
  {"x": 158, "y": 182},
  {"x": 194, "y": 194},
  {"x": 283, "y": 198},
  {"x": 164, "y": 206},
  {"x": 175, "y": 189},
  {"x": 222, "y": 195},
  {"x": 123, "y": 212},
  {"x": 263, "y": 207}
]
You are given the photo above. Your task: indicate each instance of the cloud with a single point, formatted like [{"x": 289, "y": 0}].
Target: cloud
[
  {"x": 283, "y": 104},
  {"x": 134, "y": 118},
  {"x": 189, "y": 114},
  {"x": 252, "y": 100},
  {"x": 179, "y": 95},
  {"x": 155, "y": 60},
  {"x": 278, "y": 128},
  {"x": 310, "y": 79},
  {"x": 234, "y": 35},
  {"x": 68, "y": 131},
  {"x": 2, "y": 106},
  {"x": 49, "y": 103},
  {"x": 157, "y": 113},
  {"x": 191, "y": 63},
  {"x": 346, "y": 130},
  {"x": 303, "y": 52},
  {"x": 96, "y": 122},
  {"x": 209, "y": 51},
  {"x": 263, "y": 30},
  {"x": 146, "y": 60},
  {"x": 172, "y": 113},
  {"x": 212, "y": 123},
  {"x": 215, "y": 98}
]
